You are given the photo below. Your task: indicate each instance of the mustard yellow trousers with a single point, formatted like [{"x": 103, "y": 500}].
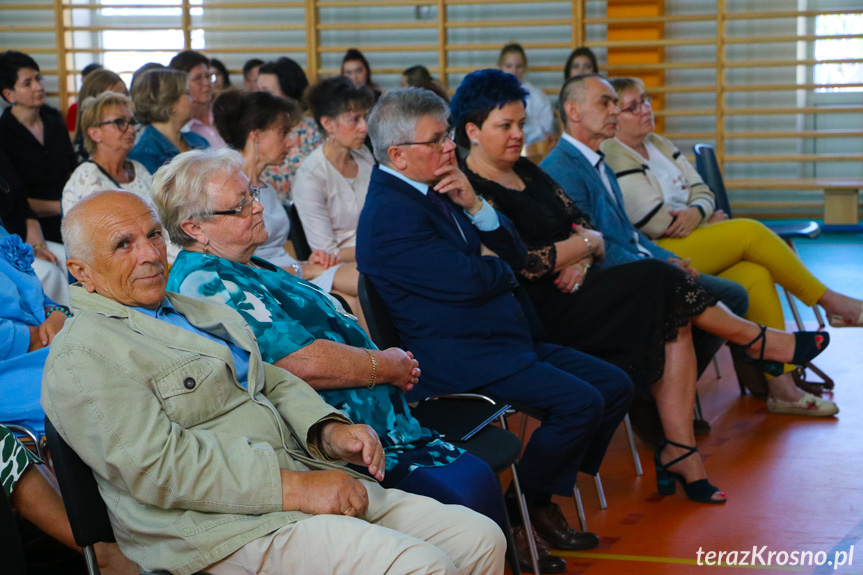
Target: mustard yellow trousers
[{"x": 747, "y": 252}]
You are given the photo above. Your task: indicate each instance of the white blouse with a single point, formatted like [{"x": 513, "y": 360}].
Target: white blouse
[
  {"x": 328, "y": 203},
  {"x": 88, "y": 178},
  {"x": 675, "y": 188}
]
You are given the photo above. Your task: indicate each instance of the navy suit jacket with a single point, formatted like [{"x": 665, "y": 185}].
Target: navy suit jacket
[
  {"x": 454, "y": 309},
  {"x": 581, "y": 182}
]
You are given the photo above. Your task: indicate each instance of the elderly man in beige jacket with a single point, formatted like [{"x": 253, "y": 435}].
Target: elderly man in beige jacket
[{"x": 207, "y": 457}]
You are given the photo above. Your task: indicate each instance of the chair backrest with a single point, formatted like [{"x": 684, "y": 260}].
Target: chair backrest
[
  {"x": 708, "y": 169},
  {"x": 381, "y": 327},
  {"x": 297, "y": 235},
  {"x": 87, "y": 513}
]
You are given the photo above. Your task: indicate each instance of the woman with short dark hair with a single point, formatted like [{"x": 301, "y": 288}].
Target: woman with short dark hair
[
  {"x": 581, "y": 61},
  {"x": 201, "y": 91},
  {"x": 34, "y": 139},
  {"x": 331, "y": 184}
]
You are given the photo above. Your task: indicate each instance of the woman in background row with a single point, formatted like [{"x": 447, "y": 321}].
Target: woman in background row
[
  {"x": 419, "y": 77},
  {"x": 34, "y": 138},
  {"x": 331, "y": 185},
  {"x": 72, "y": 111},
  {"x": 163, "y": 105},
  {"x": 220, "y": 76},
  {"x": 581, "y": 61},
  {"x": 540, "y": 116},
  {"x": 258, "y": 125},
  {"x": 287, "y": 80},
  {"x": 197, "y": 66}
]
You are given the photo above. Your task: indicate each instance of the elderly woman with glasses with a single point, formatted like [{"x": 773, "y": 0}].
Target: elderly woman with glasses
[
  {"x": 666, "y": 199},
  {"x": 163, "y": 104},
  {"x": 108, "y": 127},
  {"x": 637, "y": 316},
  {"x": 207, "y": 205}
]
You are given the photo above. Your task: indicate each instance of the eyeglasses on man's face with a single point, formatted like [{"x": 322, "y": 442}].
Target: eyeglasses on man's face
[
  {"x": 438, "y": 143},
  {"x": 244, "y": 208},
  {"x": 121, "y": 123},
  {"x": 642, "y": 103}
]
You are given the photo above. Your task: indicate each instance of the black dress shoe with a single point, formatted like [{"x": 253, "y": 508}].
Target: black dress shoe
[
  {"x": 551, "y": 525},
  {"x": 548, "y": 563}
]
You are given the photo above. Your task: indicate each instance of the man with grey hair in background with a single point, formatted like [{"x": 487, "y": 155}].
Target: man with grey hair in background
[
  {"x": 209, "y": 458},
  {"x": 419, "y": 240}
]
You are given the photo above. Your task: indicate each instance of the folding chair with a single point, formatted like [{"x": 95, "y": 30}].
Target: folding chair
[{"x": 297, "y": 235}]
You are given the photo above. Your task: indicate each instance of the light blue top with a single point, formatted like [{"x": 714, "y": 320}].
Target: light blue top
[
  {"x": 154, "y": 150},
  {"x": 22, "y": 305}
]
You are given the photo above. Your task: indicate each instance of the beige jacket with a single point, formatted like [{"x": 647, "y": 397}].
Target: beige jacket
[
  {"x": 642, "y": 194},
  {"x": 186, "y": 460}
]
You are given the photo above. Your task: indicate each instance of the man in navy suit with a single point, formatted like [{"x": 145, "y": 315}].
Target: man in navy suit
[
  {"x": 588, "y": 107},
  {"x": 420, "y": 236}
]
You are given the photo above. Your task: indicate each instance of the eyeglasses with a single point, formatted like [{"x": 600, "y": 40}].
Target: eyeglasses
[
  {"x": 203, "y": 78},
  {"x": 121, "y": 123},
  {"x": 635, "y": 107},
  {"x": 437, "y": 143},
  {"x": 244, "y": 208}
]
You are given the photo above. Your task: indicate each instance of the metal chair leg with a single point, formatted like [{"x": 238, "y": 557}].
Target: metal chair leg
[
  {"x": 582, "y": 521},
  {"x": 698, "y": 412},
  {"x": 716, "y": 367},
  {"x": 600, "y": 492},
  {"x": 525, "y": 518},
  {"x": 636, "y": 459}
]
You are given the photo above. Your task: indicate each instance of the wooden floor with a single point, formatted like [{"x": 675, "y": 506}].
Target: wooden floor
[{"x": 794, "y": 484}]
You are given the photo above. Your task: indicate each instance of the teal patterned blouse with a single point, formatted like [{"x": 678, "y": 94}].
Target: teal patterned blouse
[{"x": 287, "y": 314}]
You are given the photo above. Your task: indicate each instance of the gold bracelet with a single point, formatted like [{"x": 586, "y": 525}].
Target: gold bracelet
[
  {"x": 374, "y": 377},
  {"x": 39, "y": 246}
]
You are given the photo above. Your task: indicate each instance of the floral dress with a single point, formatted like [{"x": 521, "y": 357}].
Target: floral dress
[
  {"x": 281, "y": 177},
  {"x": 287, "y": 314}
]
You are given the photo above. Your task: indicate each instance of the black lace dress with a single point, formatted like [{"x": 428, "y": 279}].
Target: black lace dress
[{"x": 624, "y": 314}]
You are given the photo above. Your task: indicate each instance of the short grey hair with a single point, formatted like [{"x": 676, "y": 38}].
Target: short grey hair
[
  {"x": 573, "y": 91},
  {"x": 74, "y": 228},
  {"x": 394, "y": 118},
  {"x": 181, "y": 189}
]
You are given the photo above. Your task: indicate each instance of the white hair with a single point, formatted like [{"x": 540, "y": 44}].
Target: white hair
[{"x": 394, "y": 118}]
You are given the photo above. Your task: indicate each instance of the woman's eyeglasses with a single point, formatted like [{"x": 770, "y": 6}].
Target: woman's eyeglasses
[
  {"x": 245, "y": 206},
  {"x": 121, "y": 123},
  {"x": 636, "y": 106}
]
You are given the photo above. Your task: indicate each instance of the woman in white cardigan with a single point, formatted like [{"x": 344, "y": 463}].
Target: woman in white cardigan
[{"x": 331, "y": 184}]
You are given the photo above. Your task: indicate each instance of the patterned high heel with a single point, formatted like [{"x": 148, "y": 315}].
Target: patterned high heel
[
  {"x": 701, "y": 490},
  {"x": 807, "y": 346}
]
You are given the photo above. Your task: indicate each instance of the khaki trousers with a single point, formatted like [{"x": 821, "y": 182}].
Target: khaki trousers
[{"x": 400, "y": 533}]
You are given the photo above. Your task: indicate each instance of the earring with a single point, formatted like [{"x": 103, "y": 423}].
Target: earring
[
  {"x": 13, "y": 104},
  {"x": 474, "y": 142}
]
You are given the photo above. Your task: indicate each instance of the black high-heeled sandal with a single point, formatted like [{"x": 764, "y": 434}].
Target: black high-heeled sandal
[
  {"x": 701, "y": 490},
  {"x": 807, "y": 346}
]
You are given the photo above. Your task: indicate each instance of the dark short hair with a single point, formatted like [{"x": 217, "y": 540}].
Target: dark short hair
[
  {"x": 292, "y": 79},
  {"x": 416, "y": 75},
  {"x": 250, "y": 64},
  {"x": 354, "y": 55},
  {"x": 582, "y": 51},
  {"x": 479, "y": 93},
  {"x": 156, "y": 91},
  {"x": 333, "y": 96},
  {"x": 10, "y": 62},
  {"x": 223, "y": 70},
  {"x": 90, "y": 68},
  {"x": 236, "y": 114},
  {"x": 188, "y": 59},
  {"x": 571, "y": 87}
]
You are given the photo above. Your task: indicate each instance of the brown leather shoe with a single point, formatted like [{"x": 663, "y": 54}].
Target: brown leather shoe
[
  {"x": 548, "y": 563},
  {"x": 551, "y": 525}
]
